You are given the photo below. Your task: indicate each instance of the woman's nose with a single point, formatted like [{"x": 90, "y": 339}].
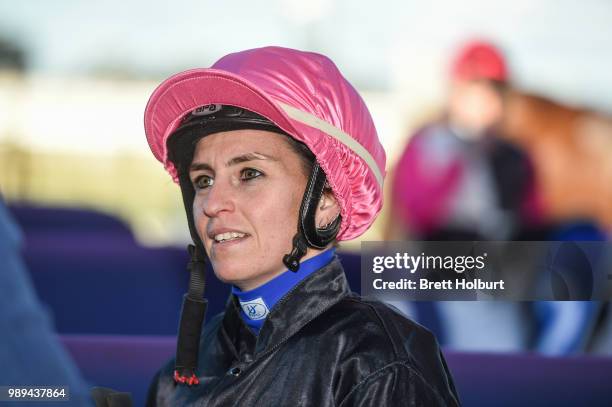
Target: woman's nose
[{"x": 220, "y": 197}]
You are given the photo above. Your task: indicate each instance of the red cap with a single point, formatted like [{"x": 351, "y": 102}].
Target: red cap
[{"x": 479, "y": 60}]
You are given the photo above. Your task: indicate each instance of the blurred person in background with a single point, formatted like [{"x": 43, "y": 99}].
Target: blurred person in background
[
  {"x": 460, "y": 178},
  {"x": 30, "y": 353},
  {"x": 457, "y": 178},
  {"x": 277, "y": 158}
]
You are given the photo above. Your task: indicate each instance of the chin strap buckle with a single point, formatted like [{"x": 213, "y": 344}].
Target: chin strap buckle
[{"x": 292, "y": 260}]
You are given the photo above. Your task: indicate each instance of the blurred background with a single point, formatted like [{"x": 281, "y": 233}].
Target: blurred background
[
  {"x": 76, "y": 77},
  {"x": 513, "y": 142}
]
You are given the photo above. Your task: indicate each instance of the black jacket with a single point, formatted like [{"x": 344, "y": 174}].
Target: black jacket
[{"x": 321, "y": 345}]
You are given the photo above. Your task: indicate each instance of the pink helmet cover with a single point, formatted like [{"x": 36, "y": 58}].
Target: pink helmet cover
[{"x": 305, "y": 95}]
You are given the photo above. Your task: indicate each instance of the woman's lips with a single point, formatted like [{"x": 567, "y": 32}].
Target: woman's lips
[{"x": 229, "y": 243}]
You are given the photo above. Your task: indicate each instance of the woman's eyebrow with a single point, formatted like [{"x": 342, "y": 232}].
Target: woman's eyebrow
[
  {"x": 233, "y": 161},
  {"x": 249, "y": 157},
  {"x": 200, "y": 167}
]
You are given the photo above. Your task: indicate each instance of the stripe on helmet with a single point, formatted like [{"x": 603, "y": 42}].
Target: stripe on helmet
[{"x": 319, "y": 124}]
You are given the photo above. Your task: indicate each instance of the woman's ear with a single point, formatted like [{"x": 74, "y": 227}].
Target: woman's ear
[{"x": 328, "y": 209}]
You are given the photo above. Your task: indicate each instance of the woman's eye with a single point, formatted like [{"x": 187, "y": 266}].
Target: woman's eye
[
  {"x": 250, "y": 173},
  {"x": 203, "y": 181}
]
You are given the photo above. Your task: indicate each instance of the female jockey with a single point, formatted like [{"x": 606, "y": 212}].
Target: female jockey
[{"x": 277, "y": 159}]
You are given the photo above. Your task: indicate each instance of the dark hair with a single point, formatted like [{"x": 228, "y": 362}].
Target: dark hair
[{"x": 307, "y": 156}]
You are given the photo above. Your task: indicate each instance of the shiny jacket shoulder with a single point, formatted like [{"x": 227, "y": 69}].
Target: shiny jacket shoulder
[{"x": 321, "y": 345}]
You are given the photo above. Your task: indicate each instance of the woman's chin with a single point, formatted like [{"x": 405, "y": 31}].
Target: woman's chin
[
  {"x": 242, "y": 275},
  {"x": 228, "y": 273},
  {"x": 233, "y": 272}
]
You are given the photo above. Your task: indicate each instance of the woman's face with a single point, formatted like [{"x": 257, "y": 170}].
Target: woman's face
[{"x": 249, "y": 185}]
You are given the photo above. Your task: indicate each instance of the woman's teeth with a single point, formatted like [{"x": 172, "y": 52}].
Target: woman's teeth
[{"x": 222, "y": 237}]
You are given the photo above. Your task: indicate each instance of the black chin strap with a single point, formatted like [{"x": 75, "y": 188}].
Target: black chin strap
[
  {"x": 194, "y": 303},
  {"x": 308, "y": 234},
  {"x": 192, "y": 318}
]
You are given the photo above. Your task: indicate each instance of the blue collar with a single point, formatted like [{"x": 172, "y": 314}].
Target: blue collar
[{"x": 257, "y": 303}]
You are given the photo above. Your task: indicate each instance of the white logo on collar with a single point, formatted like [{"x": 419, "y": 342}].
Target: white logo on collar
[
  {"x": 206, "y": 110},
  {"x": 255, "y": 309}
]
